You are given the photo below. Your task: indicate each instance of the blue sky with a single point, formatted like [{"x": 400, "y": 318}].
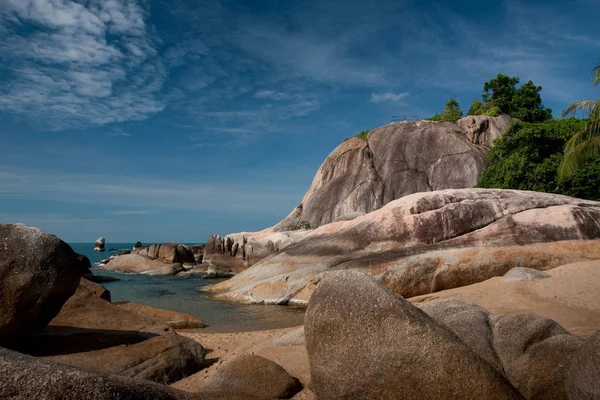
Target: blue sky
[{"x": 173, "y": 120}]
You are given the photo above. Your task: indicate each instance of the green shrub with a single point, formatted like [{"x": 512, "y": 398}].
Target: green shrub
[
  {"x": 298, "y": 225},
  {"x": 528, "y": 155}
]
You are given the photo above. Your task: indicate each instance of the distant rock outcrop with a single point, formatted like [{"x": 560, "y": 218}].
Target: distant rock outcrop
[
  {"x": 38, "y": 274},
  {"x": 398, "y": 159},
  {"x": 99, "y": 244},
  {"x": 156, "y": 259},
  {"x": 428, "y": 242}
]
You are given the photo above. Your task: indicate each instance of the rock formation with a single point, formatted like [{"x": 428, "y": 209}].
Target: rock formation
[
  {"x": 156, "y": 259},
  {"x": 163, "y": 359},
  {"x": 138, "y": 264},
  {"x": 25, "y": 377},
  {"x": 137, "y": 245},
  {"x": 396, "y": 160},
  {"x": 255, "y": 376},
  {"x": 175, "y": 320},
  {"x": 99, "y": 244},
  {"x": 430, "y": 241},
  {"x": 361, "y": 176},
  {"x": 364, "y": 341},
  {"x": 38, "y": 274}
]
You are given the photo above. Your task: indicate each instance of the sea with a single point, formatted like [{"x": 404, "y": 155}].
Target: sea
[{"x": 181, "y": 294}]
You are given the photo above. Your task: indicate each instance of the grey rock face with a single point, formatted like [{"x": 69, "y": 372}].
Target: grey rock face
[
  {"x": 532, "y": 352},
  {"x": 25, "y": 377},
  {"x": 535, "y": 353},
  {"x": 255, "y": 376},
  {"x": 524, "y": 274},
  {"x": 396, "y": 160},
  {"x": 582, "y": 381},
  {"x": 366, "y": 342},
  {"x": 163, "y": 359},
  {"x": 38, "y": 274},
  {"x": 99, "y": 244}
]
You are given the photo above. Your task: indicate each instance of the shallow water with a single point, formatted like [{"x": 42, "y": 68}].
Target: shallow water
[{"x": 181, "y": 294}]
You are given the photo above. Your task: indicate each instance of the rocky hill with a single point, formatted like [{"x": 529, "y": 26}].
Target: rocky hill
[
  {"x": 395, "y": 160},
  {"x": 361, "y": 176}
]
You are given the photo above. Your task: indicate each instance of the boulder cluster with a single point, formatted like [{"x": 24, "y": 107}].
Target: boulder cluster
[{"x": 364, "y": 341}]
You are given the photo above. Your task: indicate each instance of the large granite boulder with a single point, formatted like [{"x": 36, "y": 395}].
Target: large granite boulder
[
  {"x": 99, "y": 244},
  {"x": 535, "y": 353},
  {"x": 582, "y": 381},
  {"x": 532, "y": 352},
  {"x": 163, "y": 359},
  {"x": 88, "y": 322},
  {"x": 174, "y": 319},
  {"x": 364, "y": 341},
  {"x": 140, "y": 264},
  {"x": 253, "y": 375},
  {"x": 431, "y": 241},
  {"x": 38, "y": 274},
  {"x": 398, "y": 159},
  {"x": 25, "y": 377}
]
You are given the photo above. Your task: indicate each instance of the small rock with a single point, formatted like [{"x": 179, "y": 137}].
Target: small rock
[
  {"x": 524, "y": 274},
  {"x": 255, "y": 376},
  {"x": 99, "y": 244}
]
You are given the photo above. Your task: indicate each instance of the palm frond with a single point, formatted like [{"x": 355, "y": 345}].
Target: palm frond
[
  {"x": 596, "y": 72},
  {"x": 580, "y": 149},
  {"x": 586, "y": 107}
]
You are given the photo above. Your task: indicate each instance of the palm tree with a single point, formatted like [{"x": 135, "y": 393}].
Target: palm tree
[{"x": 584, "y": 145}]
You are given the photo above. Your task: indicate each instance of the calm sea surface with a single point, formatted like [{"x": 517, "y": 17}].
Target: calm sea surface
[{"x": 181, "y": 294}]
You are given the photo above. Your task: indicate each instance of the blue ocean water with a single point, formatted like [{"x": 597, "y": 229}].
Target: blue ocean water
[{"x": 181, "y": 294}]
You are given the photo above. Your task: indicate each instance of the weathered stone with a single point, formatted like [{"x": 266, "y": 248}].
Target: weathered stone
[
  {"x": 174, "y": 319},
  {"x": 468, "y": 322},
  {"x": 582, "y": 381},
  {"x": 432, "y": 241},
  {"x": 99, "y": 244},
  {"x": 170, "y": 253},
  {"x": 25, "y": 377},
  {"x": 535, "y": 353},
  {"x": 293, "y": 338},
  {"x": 484, "y": 130},
  {"x": 223, "y": 261},
  {"x": 364, "y": 341},
  {"x": 38, "y": 274},
  {"x": 163, "y": 359},
  {"x": 524, "y": 274},
  {"x": 255, "y": 376},
  {"x": 140, "y": 264},
  {"x": 88, "y": 322},
  {"x": 213, "y": 272},
  {"x": 398, "y": 159}
]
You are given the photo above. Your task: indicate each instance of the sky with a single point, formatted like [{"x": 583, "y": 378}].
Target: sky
[{"x": 171, "y": 120}]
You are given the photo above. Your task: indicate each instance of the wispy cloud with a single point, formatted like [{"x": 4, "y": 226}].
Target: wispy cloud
[
  {"x": 389, "y": 97},
  {"x": 146, "y": 196},
  {"x": 89, "y": 64},
  {"x": 134, "y": 212},
  {"x": 118, "y": 132}
]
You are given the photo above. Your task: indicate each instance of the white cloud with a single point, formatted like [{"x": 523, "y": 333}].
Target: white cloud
[
  {"x": 69, "y": 74},
  {"x": 389, "y": 97},
  {"x": 118, "y": 132}
]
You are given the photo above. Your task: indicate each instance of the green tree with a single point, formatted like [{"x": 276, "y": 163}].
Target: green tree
[
  {"x": 527, "y": 157},
  {"x": 451, "y": 113},
  {"x": 584, "y": 146},
  {"x": 501, "y": 95}
]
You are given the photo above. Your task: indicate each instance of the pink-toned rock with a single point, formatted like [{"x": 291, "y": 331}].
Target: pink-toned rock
[
  {"x": 139, "y": 264},
  {"x": 431, "y": 241}
]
